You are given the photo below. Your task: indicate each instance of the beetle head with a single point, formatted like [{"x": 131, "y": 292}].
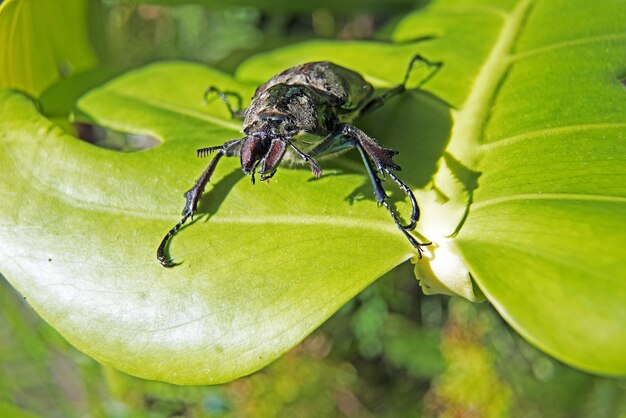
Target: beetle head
[{"x": 265, "y": 144}]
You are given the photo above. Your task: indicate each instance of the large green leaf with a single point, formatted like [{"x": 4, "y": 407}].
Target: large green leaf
[
  {"x": 544, "y": 126},
  {"x": 81, "y": 225},
  {"x": 539, "y": 117},
  {"x": 515, "y": 147},
  {"x": 43, "y": 42}
]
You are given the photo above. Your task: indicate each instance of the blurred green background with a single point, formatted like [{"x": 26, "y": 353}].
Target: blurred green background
[{"x": 391, "y": 352}]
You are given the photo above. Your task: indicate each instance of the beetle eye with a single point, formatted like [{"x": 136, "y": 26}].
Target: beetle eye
[{"x": 278, "y": 117}]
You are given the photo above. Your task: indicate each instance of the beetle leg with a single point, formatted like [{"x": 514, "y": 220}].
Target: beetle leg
[
  {"x": 378, "y": 101},
  {"x": 193, "y": 195},
  {"x": 223, "y": 95},
  {"x": 415, "y": 212},
  {"x": 379, "y": 191},
  {"x": 382, "y": 199},
  {"x": 317, "y": 171},
  {"x": 381, "y": 196},
  {"x": 378, "y": 160}
]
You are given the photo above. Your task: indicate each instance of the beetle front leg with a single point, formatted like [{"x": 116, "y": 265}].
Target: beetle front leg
[
  {"x": 377, "y": 160},
  {"x": 193, "y": 195},
  {"x": 382, "y": 158}
]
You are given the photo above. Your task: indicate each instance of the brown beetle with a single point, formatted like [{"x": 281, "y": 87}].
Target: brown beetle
[{"x": 300, "y": 114}]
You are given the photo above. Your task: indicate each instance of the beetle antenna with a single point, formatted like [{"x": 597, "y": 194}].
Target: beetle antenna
[{"x": 203, "y": 152}]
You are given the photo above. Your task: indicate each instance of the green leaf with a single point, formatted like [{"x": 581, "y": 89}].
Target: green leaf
[
  {"x": 43, "y": 42},
  {"x": 515, "y": 146},
  {"x": 544, "y": 128},
  {"x": 270, "y": 264}
]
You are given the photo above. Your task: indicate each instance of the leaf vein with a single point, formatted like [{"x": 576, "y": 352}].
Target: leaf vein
[
  {"x": 470, "y": 120},
  {"x": 177, "y": 109},
  {"x": 549, "y": 196},
  {"x": 571, "y": 263},
  {"x": 539, "y": 133},
  {"x": 567, "y": 44}
]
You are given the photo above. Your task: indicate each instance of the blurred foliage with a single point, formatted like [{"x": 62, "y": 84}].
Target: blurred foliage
[
  {"x": 223, "y": 37},
  {"x": 59, "y": 35},
  {"x": 275, "y": 6},
  {"x": 391, "y": 352}
]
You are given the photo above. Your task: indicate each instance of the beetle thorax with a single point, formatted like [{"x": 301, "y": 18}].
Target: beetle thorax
[{"x": 287, "y": 111}]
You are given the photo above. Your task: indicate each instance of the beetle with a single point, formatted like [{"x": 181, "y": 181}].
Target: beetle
[{"x": 300, "y": 114}]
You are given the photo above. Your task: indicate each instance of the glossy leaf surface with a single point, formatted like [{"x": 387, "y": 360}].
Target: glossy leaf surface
[{"x": 524, "y": 149}]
